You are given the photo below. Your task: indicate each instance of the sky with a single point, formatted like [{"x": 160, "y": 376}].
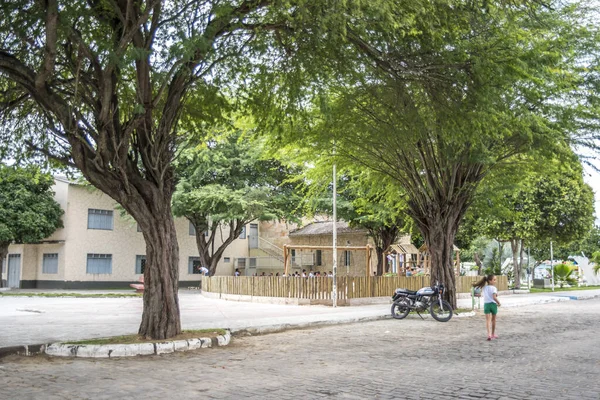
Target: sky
[{"x": 592, "y": 178}]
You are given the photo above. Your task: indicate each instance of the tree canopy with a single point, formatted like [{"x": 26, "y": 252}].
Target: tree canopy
[
  {"x": 227, "y": 183},
  {"x": 28, "y": 211},
  {"x": 441, "y": 98}
]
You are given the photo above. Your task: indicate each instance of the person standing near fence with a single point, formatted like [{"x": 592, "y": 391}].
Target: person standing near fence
[{"x": 490, "y": 303}]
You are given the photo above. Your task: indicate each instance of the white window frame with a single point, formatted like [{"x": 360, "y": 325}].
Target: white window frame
[
  {"x": 95, "y": 220},
  {"x": 93, "y": 269},
  {"x": 50, "y": 263}
]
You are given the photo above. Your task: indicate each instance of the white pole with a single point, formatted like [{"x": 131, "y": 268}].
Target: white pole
[
  {"x": 552, "y": 265},
  {"x": 334, "y": 231}
]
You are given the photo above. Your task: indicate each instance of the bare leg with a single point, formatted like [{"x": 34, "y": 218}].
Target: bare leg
[
  {"x": 493, "y": 324},
  {"x": 488, "y": 322}
]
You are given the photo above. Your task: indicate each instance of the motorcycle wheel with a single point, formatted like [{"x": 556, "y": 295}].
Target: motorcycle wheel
[
  {"x": 399, "y": 310},
  {"x": 439, "y": 314}
]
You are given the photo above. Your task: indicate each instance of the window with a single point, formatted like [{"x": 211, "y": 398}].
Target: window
[
  {"x": 241, "y": 263},
  {"x": 319, "y": 257},
  {"x": 293, "y": 254},
  {"x": 50, "y": 263},
  {"x": 194, "y": 265},
  {"x": 253, "y": 262},
  {"x": 243, "y": 234},
  {"x": 226, "y": 259},
  {"x": 100, "y": 219},
  {"x": 346, "y": 258},
  {"x": 99, "y": 264},
  {"x": 140, "y": 264},
  {"x": 193, "y": 230}
]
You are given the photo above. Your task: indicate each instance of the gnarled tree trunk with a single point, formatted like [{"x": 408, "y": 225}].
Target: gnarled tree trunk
[
  {"x": 161, "y": 317},
  {"x": 439, "y": 231}
]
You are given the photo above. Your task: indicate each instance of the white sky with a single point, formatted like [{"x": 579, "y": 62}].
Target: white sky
[{"x": 593, "y": 179}]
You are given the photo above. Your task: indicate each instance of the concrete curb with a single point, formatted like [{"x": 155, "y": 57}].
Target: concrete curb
[
  {"x": 261, "y": 330},
  {"x": 117, "y": 350}
]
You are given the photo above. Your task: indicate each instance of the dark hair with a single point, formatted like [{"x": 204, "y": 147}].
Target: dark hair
[{"x": 484, "y": 281}]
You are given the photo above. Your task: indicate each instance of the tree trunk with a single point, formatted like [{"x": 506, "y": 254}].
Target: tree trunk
[
  {"x": 439, "y": 231},
  {"x": 161, "y": 316},
  {"x": 3, "y": 254},
  {"x": 149, "y": 203},
  {"x": 478, "y": 263},
  {"x": 514, "y": 246},
  {"x": 203, "y": 244},
  {"x": 521, "y": 255}
]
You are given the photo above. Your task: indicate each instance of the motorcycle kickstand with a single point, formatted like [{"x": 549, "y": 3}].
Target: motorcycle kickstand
[{"x": 420, "y": 315}]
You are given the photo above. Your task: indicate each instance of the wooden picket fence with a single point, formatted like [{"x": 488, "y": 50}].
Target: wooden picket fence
[{"x": 321, "y": 288}]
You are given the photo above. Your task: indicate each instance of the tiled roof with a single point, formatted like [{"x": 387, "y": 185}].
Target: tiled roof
[{"x": 325, "y": 228}]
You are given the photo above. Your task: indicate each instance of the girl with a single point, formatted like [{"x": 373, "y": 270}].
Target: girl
[{"x": 490, "y": 303}]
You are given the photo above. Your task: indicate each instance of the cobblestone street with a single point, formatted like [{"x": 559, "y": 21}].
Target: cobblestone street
[{"x": 547, "y": 351}]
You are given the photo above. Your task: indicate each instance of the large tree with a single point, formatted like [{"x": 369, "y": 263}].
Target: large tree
[
  {"x": 441, "y": 98},
  {"x": 227, "y": 183},
  {"x": 28, "y": 211},
  {"x": 101, "y": 86},
  {"x": 537, "y": 203}
]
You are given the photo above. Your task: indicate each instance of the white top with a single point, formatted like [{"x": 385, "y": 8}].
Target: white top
[{"x": 488, "y": 293}]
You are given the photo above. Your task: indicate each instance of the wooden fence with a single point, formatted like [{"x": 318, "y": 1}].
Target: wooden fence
[{"x": 321, "y": 288}]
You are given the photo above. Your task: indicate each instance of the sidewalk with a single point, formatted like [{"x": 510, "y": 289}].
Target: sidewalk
[{"x": 41, "y": 320}]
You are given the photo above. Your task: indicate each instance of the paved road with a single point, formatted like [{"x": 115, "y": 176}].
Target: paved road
[{"x": 549, "y": 351}]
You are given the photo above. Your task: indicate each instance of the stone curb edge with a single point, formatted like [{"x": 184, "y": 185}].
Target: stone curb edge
[
  {"x": 260, "y": 330},
  {"x": 116, "y": 350}
]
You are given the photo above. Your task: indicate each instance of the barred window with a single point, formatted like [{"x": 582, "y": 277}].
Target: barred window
[
  {"x": 346, "y": 258},
  {"x": 194, "y": 265},
  {"x": 100, "y": 219},
  {"x": 50, "y": 263},
  {"x": 99, "y": 264},
  {"x": 140, "y": 264}
]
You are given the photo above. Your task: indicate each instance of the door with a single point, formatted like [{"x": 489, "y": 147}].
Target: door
[
  {"x": 253, "y": 237},
  {"x": 14, "y": 271}
]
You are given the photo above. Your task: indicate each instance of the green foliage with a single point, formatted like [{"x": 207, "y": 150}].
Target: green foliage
[
  {"x": 563, "y": 275},
  {"x": 227, "y": 183},
  {"x": 230, "y": 179},
  {"x": 493, "y": 264},
  {"x": 28, "y": 211},
  {"x": 596, "y": 260}
]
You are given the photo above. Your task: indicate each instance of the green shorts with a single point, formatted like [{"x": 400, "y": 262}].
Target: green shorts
[{"x": 490, "y": 308}]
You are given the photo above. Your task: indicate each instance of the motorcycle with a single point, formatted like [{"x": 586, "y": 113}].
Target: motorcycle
[{"x": 405, "y": 301}]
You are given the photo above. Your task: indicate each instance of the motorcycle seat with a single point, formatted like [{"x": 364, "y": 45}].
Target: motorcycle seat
[{"x": 405, "y": 291}]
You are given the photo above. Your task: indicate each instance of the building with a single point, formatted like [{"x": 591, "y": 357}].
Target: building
[
  {"x": 100, "y": 248},
  {"x": 352, "y": 256}
]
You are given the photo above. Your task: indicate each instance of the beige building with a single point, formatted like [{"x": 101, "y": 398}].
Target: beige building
[
  {"x": 351, "y": 260},
  {"x": 99, "y": 248}
]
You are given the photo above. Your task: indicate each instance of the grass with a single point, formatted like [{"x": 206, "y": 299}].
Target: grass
[
  {"x": 558, "y": 289},
  {"x": 133, "y": 339},
  {"x": 78, "y": 295}
]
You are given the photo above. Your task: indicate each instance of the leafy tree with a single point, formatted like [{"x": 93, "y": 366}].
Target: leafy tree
[
  {"x": 542, "y": 202},
  {"x": 437, "y": 104},
  {"x": 109, "y": 87},
  {"x": 28, "y": 211},
  {"x": 227, "y": 184},
  {"x": 370, "y": 202}
]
